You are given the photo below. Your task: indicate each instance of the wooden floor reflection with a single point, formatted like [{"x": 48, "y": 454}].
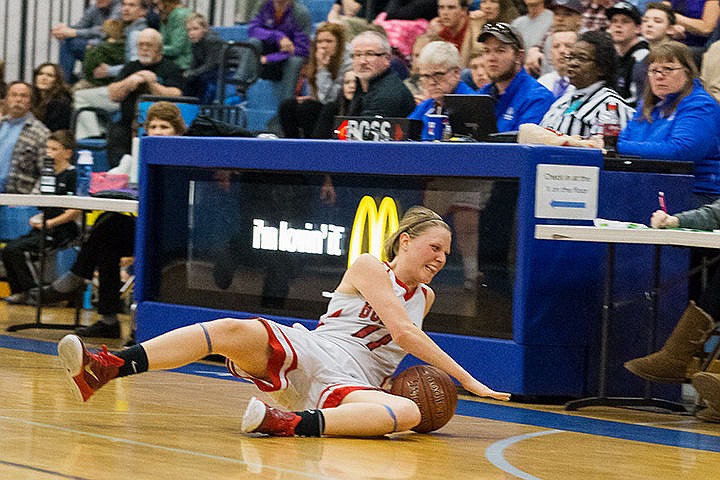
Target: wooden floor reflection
[{"x": 170, "y": 425}]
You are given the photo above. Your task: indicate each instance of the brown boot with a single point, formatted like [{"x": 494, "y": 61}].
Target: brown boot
[{"x": 670, "y": 364}]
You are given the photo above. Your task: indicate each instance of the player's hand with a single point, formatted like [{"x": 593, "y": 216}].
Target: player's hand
[
  {"x": 483, "y": 390},
  {"x": 661, "y": 219}
]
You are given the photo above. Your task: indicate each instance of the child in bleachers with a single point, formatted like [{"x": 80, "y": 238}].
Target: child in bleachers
[
  {"x": 60, "y": 224},
  {"x": 201, "y": 77},
  {"x": 109, "y": 52}
]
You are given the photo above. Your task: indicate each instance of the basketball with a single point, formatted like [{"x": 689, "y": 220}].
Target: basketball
[{"x": 432, "y": 390}]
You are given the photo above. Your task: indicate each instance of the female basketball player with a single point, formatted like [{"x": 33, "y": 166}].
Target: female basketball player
[{"x": 332, "y": 374}]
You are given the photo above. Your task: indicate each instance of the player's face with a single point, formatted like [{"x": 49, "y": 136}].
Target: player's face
[
  {"x": 428, "y": 252},
  {"x": 160, "y": 128}
]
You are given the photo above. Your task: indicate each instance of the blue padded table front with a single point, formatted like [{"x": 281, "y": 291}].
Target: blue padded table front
[{"x": 555, "y": 287}]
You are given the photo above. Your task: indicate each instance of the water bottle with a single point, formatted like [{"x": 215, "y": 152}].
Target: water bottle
[
  {"x": 447, "y": 130},
  {"x": 610, "y": 123},
  {"x": 84, "y": 169},
  {"x": 47, "y": 177}
]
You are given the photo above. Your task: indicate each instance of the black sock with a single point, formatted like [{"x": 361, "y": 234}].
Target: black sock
[
  {"x": 135, "y": 360},
  {"x": 312, "y": 423}
]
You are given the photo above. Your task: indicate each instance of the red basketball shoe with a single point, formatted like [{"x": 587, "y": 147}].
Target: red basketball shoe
[
  {"x": 87, "y": 371},
  {"x": 262, "y": 418}
]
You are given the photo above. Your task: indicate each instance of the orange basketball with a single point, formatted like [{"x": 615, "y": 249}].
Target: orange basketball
[{"x": 432, "y": 390}]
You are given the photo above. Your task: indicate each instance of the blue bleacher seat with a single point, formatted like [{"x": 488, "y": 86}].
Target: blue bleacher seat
[
  {"x": 235, "y": 33},
  {"x": 262, "y": 103}
]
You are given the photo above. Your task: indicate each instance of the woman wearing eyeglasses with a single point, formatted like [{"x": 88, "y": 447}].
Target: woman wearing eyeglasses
[{"x": 677, "y": 119}]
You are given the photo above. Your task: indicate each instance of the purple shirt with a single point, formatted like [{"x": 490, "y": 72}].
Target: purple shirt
[{"x": 294, "y": 24}]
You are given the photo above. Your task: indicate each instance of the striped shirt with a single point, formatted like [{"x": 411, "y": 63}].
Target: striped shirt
[{"x": 578, "y": 111}]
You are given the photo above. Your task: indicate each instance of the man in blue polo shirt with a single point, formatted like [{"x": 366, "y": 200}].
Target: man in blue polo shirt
[
  {"x": 520, "y": 98},
  {"x": 439, "y": 72}
]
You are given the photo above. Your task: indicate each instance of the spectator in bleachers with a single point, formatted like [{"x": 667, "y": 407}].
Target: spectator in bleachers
[
  {"x": 51, "y": 99},
  {"x": 201, "y": 77},
  {"x": 134, "y": 19},
  {"x": 439, "y": 67},
  {"x": 112, "y": 238},
  {"x": 405, "y": 20},
  {"x": 478, "y": 73},
  {"x": 60, "y": 226},
  {"x": 324, "y": 75},
  {"x": 3, "y": 88},
  {"x": 590, "y": 69},
  {"x": 454, "y": 24},
  {"x": 379, "y": 90},
  {"x": 658, "y": 23},
  {"x": 102, "y": 56},
  {"x": 341, "y": 106},
  {"x": 631, "y": 48},
  {"x": 281, "y": 30},
  {"x": 22, "y": 142},
  {"x": 567, "y": 17},
  {"x": 677, "y": 119},
  {"x": 520, "y": 98},
  {"x": 176, "y": 44},
  {"x": 351, "y": 14},
  {"x": 696, "y": 21},
  {"x": 412, "y": 82},
  {"x": 593, "y": 16},
  {"x": 710, "y": 72},
  {"x": 151, "y": 74},
  {"x": 491, "y": 11},
  {"x": 557, "y": 80},
  {"x": 534, "y": 26},
  {"x": 75, "y": 39}
]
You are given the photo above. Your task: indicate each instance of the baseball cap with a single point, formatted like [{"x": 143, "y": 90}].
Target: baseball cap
[
  {"x": 624, "y": 8},
  {"x": 574, "y": 5},
  {"x": 503, "y": 32}
]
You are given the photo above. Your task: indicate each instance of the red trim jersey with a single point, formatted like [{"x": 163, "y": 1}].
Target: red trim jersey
[{"x": 350, "y": 349}]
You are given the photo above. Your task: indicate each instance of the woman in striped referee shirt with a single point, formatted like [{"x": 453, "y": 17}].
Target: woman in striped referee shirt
[{"x": 591, "y": 71}]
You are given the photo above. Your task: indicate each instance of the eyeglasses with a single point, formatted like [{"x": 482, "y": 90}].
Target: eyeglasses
[
  {"x": 368, "y": 55},
  {"x": 435, "y": 76},
  {"x": 663, "y": 71},
  {"x": 579, "y": 58},
  {"x": 504, "y": 29}
]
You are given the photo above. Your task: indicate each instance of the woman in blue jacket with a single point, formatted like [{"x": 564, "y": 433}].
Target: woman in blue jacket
[{"x": 677, "y": 119}]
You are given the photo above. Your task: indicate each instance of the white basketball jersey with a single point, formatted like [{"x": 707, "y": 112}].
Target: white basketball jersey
[{"x": 352, "y": 324}]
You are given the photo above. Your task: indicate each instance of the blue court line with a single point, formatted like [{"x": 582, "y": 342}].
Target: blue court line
[{"x": 491, "y": 411}]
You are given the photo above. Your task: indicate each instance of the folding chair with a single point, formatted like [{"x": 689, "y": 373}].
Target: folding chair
[{"x": 234, "y": 55}]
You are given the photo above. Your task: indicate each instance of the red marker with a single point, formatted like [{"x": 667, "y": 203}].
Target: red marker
[{"x": 661, "y": 200}]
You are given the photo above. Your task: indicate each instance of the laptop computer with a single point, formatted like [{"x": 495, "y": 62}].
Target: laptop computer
[{"x": 471, "y": 115}]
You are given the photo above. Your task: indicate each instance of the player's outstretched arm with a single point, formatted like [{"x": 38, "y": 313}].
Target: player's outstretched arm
[{"x": 367, "y": 276}]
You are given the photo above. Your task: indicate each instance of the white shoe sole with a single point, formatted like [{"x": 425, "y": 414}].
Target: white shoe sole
[
  {"x": 254, "y": 415},
  {"x": 70, "y": 352}
]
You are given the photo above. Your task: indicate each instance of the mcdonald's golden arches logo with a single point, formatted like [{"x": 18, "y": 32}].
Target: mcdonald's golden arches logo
[{"x": 372, "y": 223}]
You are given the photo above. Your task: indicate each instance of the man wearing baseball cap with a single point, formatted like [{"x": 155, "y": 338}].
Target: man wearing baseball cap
[
  {"x": 624, "y": 28},
  {"x": 520, "y": 98},
  {"x": 567, "y": 17}
]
